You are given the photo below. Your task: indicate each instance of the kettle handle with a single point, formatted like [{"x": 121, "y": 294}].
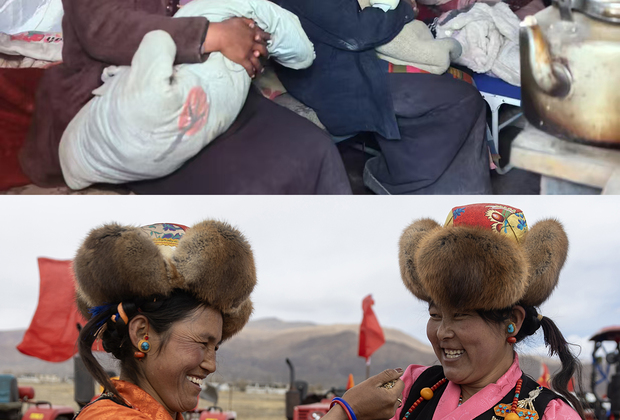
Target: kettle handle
[
  {"x": 566, "y": 6},
  {"x": 549, "y": 75}
]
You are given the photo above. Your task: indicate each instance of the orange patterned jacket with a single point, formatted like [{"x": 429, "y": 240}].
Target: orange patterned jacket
[{"x": 140, "y": 406}]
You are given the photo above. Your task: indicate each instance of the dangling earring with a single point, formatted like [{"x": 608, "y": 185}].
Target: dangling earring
[
  {"x": 144, "y": 347},
  {"x": 510, "y": 329}
]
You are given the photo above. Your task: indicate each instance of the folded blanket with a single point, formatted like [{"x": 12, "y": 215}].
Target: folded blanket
[
  {"x": 415, "y": 46},
  {"x": 490, "y": 39},
  {"x": 147, "y": 119}
]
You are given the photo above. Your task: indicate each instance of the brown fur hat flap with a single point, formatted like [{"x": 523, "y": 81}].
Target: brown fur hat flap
[
  {"x": 217, "y": 264},
  {"x": 114, "y": 262},
  {"x": 409, "y": 245},
  {"x": 546, "y": 247},
  {"x": 235, "y": 319}
]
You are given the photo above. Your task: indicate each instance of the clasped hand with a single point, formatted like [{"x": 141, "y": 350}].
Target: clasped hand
[{"x": 240, "y": 40}]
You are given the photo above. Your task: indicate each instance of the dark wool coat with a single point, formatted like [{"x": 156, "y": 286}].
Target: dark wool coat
[
  {"x": 97, "y": 34},
  {"x": 347, "y": 84}
]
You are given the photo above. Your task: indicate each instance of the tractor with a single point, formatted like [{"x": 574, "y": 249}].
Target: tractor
[
  {"x": 14, "y": 397},
  {"x": 209, "y": 393},
  {"x": 303, "y": 406},
  {"x": 605, "y": 371}
]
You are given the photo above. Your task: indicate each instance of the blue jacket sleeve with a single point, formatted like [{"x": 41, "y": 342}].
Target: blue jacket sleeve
[{"x": 343, "y": 25}]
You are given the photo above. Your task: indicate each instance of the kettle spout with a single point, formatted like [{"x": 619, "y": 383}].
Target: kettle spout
[{"x": 548, "y": 75}]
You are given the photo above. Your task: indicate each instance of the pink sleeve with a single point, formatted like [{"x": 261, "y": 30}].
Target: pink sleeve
[
  {"x": 559, "y": 410},
  {"x": 409, "y": 377}
]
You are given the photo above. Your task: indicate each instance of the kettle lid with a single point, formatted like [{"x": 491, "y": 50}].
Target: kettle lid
[{"x": 606, "y": 10}]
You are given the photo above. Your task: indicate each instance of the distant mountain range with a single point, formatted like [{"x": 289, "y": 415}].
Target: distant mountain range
[{"x": 322, "y": 355}]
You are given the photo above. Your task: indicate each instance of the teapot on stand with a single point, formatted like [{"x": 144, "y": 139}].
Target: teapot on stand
[{"x": 570, "y": 70}]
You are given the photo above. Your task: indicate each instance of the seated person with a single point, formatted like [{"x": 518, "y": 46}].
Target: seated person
[
  {"x": 149, "y": 118},
  {"x": 430, "y": 127},
  {"x": 267, "y": 150}
]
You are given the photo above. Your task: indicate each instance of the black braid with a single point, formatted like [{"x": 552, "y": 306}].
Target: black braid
[
  {"x": 571, "y": 366},
  {"x": 88, "y": 335},
  {"x": 554, "y": 340}
]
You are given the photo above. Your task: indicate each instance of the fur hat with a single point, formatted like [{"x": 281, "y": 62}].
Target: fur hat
[
  {"x": 212, "y": 260},
  {"x": 483, "y": 257}
]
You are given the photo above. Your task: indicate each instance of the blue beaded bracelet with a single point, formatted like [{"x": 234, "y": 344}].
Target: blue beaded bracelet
[{"x": 345, "y": 405}]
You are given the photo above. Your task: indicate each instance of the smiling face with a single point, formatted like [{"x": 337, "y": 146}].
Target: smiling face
[
  {"x": 473, "y": 352},
  {"x": 173, "y": 371}
]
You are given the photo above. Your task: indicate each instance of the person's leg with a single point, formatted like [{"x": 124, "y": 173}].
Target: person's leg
[
  {"x": 442, "y": 148},
  {"x": 268, "y": 150}
]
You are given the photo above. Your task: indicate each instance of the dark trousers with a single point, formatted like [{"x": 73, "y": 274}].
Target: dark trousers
[
  {"x": 268, "y": 150},
  {"x": 442, "y": 149}
]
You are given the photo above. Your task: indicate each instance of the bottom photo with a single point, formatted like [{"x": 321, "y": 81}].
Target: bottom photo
[{"x": 300, "y": 308}]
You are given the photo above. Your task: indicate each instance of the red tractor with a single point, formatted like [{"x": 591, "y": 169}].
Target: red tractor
[
  {"x": 14, "y": 397},
  {"x": 209, "y": 393},
  {"x": 303, "y": 406}
]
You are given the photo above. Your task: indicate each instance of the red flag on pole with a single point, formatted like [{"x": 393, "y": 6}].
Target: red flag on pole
[
  {"x": 53, "y": 332},
  {"x": 371, "y": 334}
]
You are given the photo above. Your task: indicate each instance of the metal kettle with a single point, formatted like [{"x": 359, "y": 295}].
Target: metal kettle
[{"x": 570, "y": 70}]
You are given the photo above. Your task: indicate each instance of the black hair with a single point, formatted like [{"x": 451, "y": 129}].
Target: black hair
[
  {"x": 161, "y": 312},
  {"x": 555, "y": 342}
]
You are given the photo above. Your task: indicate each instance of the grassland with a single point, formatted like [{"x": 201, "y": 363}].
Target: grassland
[{"x": 247, "y": 406}]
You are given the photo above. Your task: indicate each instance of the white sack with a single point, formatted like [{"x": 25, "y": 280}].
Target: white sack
[{"x": 148, "y": 119}]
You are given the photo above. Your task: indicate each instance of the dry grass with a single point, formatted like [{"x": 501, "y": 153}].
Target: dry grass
[
  {"x": 253, "y": 406},
  {"x": 247, "y": 406}
]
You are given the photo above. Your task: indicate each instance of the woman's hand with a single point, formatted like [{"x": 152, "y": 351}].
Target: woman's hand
[
  {"x": 369, "y": 400},
  {"x": 240, "y": 40}
]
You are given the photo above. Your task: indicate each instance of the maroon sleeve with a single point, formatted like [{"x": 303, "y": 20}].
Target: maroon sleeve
[{"x": 111, "y": 30}]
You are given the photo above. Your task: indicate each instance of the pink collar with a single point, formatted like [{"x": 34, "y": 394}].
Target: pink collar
[{"x": 489, "y": 396}]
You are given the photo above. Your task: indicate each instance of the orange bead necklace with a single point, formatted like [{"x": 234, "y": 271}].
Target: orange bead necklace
[{"x": 427, "y": 394}]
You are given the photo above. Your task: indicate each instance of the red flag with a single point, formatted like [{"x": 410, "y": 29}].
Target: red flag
[
  {"x": 53, "y": 333},
  {"x": 371, "y": 334},
  {"x": 544, "y": 377}
]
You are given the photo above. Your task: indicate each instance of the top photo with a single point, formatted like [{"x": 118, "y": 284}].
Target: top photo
[{"x": 365, "y": 97}]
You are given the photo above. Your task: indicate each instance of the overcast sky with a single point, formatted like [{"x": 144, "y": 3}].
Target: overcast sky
[{"x": 317, "y": 257}]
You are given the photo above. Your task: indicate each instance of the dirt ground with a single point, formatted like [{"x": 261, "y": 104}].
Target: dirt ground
[{"x": 247, "y": 406}]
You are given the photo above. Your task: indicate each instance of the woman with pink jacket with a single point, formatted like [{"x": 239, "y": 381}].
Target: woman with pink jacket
[{"x": 484, "y": 275}]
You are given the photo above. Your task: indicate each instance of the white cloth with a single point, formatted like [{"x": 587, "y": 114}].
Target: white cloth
[
  {"x": 416, "y": 46},
  {"x": 385, "y": 5},
  {"x": 149, "y": 118},
  {"x": 489, "y": 36},
  {"x": 18, "y": 16}
]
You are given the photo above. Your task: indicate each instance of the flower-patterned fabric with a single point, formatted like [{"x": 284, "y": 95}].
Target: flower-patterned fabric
[{"x": 505, "y": 220}]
